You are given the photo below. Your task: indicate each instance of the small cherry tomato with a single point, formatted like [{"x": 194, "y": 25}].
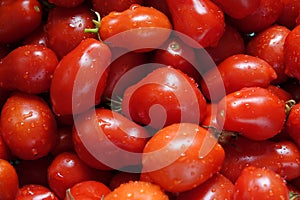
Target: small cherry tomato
[
  {"x": 9, "y": 182},
  {"x": 34, "y": 191}
]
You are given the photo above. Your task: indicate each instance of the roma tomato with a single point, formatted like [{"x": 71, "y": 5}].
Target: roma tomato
[
  {"x": 9, "y": 182},
  {"x": 165, "y": 96},
  {"x": 80, "y": 77},
  {"x": 188, "y": 16},
  {"x": 260, "y": 183},
  {"x": 253, "y": 112},
  {"x": 182, "y": 156},
  {"x": 28, "y": 68},
  {"x": 137, "y": 28},
  {"x": 18, "y": 19},
  {"x": 28, "y": 126},
  {"x": 34, "y": 191}
]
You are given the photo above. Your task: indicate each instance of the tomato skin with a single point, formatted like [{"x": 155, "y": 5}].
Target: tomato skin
[
  {"x": 170, "y": 88},
  {"x": 34, "y": 191},
  {"x": 28, "y": 126},
  {"x": 188, "y": 16},
  {"x": 236, "y": 72},
  {"x": 72, "y": 21},
  {"x": 18, "y": 19},
  {"x": 269, "y": 46},
  {"x": 293, "y": 124},
  {"x": 185, "y": 166},
  {"x": 64, "y": 140},
  {"x": 289, "y": 13},
  {"x": 282, "y": 157},
  {"x": 9, "y": 183},
  {"x": 253, "y": 112},
  {"x": 66, "y": 3},
  {"x": 260, "y": 183},
  {"x": 71, "y": 74},
  {"x": 130, "y": 27},
  {"x": 217, "y": 187},
  {"x": 280, "y": 93},
  {"x": 28, "y": 68}
]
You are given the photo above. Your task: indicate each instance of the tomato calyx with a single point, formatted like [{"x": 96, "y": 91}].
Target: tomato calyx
[
  {"x": 114, "y": 104},
  {"x": 294, "y": 196},
  {"x": 69, "y": 195},
  {"x": 288, "y": 106},
  {"x": 223, "y": 136},
  {"x": 97, "y": 23}
]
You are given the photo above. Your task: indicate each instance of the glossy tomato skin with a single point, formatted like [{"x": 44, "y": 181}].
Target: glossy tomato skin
[
  {"x": 280, "y": 93},
  {"x": 217, "y": 187},
  {"x": 269, "y": 46},
  {"x": 65, "y": 28},
  {"x": 253, "y": 112},
  {"x": 28, "y": 68},
  {"x": 238, "y": 9},
  {"x": 9, "y": 183},
  {"x": 293, "y": 124},
  {"x": 138, "y": 28},
  {"x": 71, "y": 74},
  {"x": 175, "y": 92},
  {"x": 18, "y": 19},
  {"x": 28, "y": 126},
  {"x": 260, "y": 183},
  {"x": 34, "y": 191},
  {"x": 236, "y": 72},
  {"x": 185, "y": 156},
  {"x": 188, "y": 16},
  {"x": 282, "y": 157}
]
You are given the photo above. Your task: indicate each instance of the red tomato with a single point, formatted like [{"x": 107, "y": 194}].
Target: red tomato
[
  {"x": 33, "y": 191},
  {"x": 66, "y": 3},
  {"x": 18, "y": 19},
  {"x": 123, "y": 136},
  {"x": 188, "y": 16},
  {"x": 86, "y": 67},
  {"x": 28, "y": 68},
  {"x": 217, "y": 187},
  {"x": 28, "y": 126},
  {"x": 138, "y": 28},
  {"x": 65, "y": 28},
  {"x": 282, "y": 157},
  {"x": 137, "y": 190},
  {"x": 165, "y": 96},
  {"x": 260, "y": 183},
  {"x": 289, "y": 13},
  {"x": 87, "y": 189},
  {"x": 182, "y": 156},
  {"x": 65, "y": 171},
  {"x": 280, "y": 93},
  {"x": 269, "y": 46},
  {"x": 236, "y": 72},
  {"x": 9, "y": 183},
  {"x": 293, "y": 124}
]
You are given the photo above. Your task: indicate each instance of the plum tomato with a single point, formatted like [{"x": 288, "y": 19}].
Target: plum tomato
[
  {"x": 9, "y": 182},
  {"x": 253, "y": 112},
  {"x": 293, "y": 123},
  {"x": 28, "y": 68},
  {"x": 35, "y": 191},
  {"x": 28, "y": 126},
  {"x": 138, "y": 28},
  {"x": 182, "y": 156},
  {"x": 188, "y": 15},
  {"x": 260, "y": 183},
  {"x": 165, "y": 96}
]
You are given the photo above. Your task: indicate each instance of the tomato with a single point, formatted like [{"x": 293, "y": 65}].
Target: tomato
[
  {"x": 293, "y": 124},
  {"x": 34, "y": 191},
  {"x": 68, "y": 23},
  {"x": 182, "y": 156},
  {"x": 238, "y": 8},
  {"x": 236, "y": 72},
  {"x": 269, "y": 45},
  {"x": 217, "y": 187},
  {"x": 280, "y": 93},
  {"x": 282, "y": 157},
  {"x": 123, "y": 137},
  {"x": 122, "y": 177},
  {"x": 253, "y": 112},
  {"x": 28, "y": 126},
  {"x": 262, "y": 17},
  {"x": 18, "y": 19},
  {"x": 291, "y": 57},
  {"x": 166, "y": 93},
  {"x": 67, "y": 170},
  {"x": 87, "y": 189},
  {"x": 137, "y": 28},
  {"x": 9, "y": 183},
  {"x": 66, "y": 3},
  {"x": 137, "y": 190},
  {"x": 86, "y": 67},
  {"x": 289, "y": 13},
  {"x": 260, "y": 183},
  {"x": 188, "y": 16},
  {"x": 28, "y": 68}
]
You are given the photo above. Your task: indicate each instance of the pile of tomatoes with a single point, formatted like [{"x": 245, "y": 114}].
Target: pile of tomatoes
[{"x": 149, "y": 99}]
